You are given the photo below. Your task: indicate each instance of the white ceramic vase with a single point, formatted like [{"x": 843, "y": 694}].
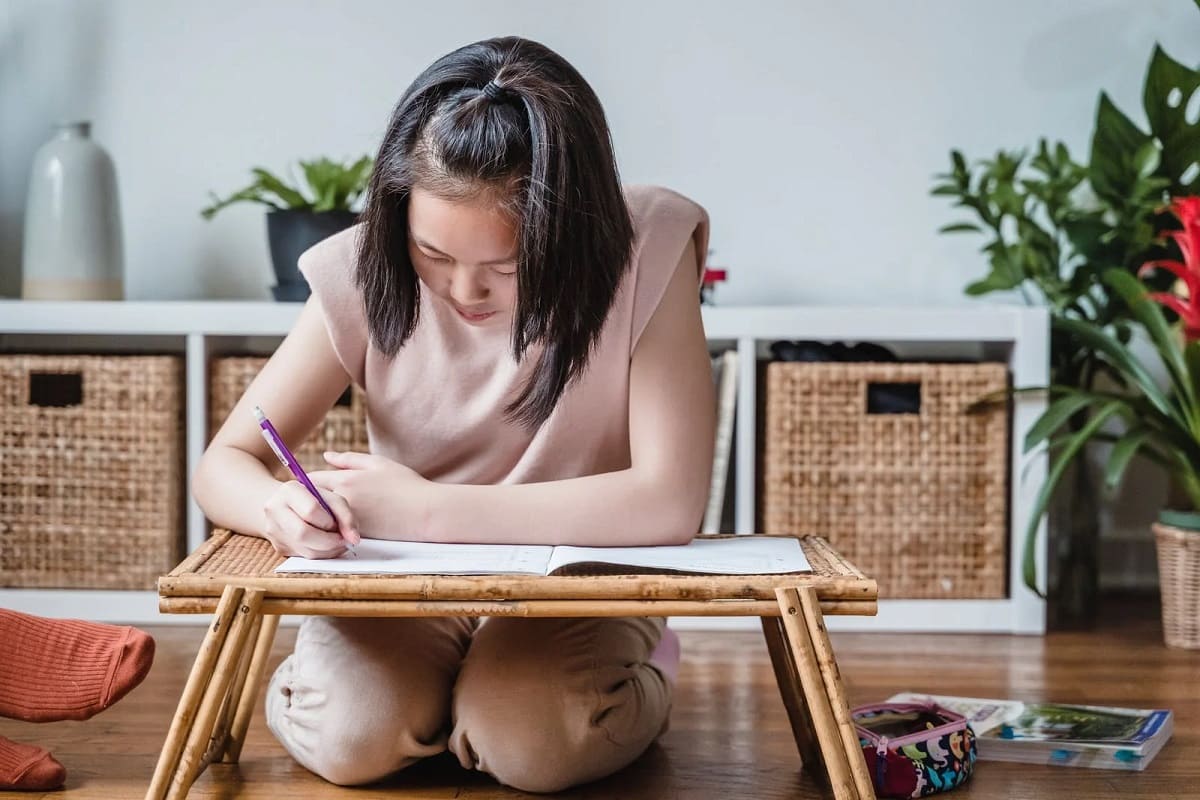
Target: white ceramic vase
[{"x": 72, "y": 248}]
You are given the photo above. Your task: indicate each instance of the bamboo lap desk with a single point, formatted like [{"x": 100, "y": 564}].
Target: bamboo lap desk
[{"x": 232, "y": 577}]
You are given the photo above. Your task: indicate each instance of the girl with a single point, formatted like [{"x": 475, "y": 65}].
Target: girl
[{"x": 528, "y": 337}]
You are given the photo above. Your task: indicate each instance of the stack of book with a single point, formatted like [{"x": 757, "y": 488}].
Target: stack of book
[
  {"x": 1057, "y": 733},
  {"x": 725, "y": 384}
]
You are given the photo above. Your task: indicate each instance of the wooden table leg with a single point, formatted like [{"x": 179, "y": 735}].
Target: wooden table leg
[
  {"x": 834, "y": 690},
  {"x": 249, "y": 694},
  {"x": 198, "y": 751},
  {"x": 218, "y": 743},
  {"x": 193, "y": 693},
  {"x": 845, "y": 767},
  {"x": 793, "y": 699}
]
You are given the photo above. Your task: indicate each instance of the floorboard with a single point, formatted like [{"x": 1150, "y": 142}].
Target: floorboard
[{"x": 729, "y": 736}]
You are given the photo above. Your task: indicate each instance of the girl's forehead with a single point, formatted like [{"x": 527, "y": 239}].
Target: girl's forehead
[{"x": 470, "y": 229}]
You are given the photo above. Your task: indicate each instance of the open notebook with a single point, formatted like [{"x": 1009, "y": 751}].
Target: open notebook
[{"x": 742, "y": 555}]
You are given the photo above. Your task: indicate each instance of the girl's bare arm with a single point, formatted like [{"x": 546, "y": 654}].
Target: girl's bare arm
[{"x": 298, "y": 385}]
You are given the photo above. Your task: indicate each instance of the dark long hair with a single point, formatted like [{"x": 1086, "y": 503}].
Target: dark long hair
[{"x": 536, "y": 141}]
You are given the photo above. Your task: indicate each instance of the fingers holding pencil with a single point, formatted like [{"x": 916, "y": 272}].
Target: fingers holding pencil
[{"x": 298, "y": 525}]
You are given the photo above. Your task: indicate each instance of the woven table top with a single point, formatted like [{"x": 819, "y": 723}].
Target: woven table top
[{"x": 249, "y": 561}]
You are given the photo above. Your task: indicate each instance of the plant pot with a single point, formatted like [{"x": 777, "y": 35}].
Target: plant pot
[
  {"x": 290, "y": 232},
  {"x": 1073, "y": 584},
  {"x": 1179, "y": 577}
]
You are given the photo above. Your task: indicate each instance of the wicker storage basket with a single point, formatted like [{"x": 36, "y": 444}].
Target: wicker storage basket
[
  {"x": 917, "y": 500},
  {"x": 344, "y": 428},
  {"x": 1179, "y": 580},
  {"x": 91, "y": 470}
]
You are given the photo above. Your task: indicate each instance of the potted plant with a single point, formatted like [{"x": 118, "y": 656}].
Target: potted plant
[
  {"x": 1161, "y": 423},
  {"x": 1052, "y": 226},
  {"x": 302, "y": 214}
]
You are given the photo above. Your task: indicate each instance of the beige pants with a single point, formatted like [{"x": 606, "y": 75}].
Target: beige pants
[{"x": 539, "y": 704}]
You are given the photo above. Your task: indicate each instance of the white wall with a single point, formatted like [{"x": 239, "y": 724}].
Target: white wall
[{"x": 809, "y": 129}]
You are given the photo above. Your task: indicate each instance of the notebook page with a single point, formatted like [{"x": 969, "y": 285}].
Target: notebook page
[
  {"x": 379, "y": 556},
  {"x": 749, "y": 555}
]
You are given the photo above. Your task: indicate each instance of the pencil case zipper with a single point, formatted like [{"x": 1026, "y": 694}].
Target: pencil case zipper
[{"x": 955, "y": 721}]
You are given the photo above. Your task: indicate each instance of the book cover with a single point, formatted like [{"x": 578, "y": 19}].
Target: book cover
[
  {"x": 725, "y": 386},
  {"x": 1060, "y": 734}
]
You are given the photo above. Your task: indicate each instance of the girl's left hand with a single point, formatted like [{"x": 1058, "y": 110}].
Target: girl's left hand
[{"x": 388, "y": 499}]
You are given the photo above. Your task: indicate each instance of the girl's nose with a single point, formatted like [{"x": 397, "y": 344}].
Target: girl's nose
[{"x": 465, "y": 288}]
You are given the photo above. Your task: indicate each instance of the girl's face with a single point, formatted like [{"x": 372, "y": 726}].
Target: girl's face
[{"x": 465, "y": 252}]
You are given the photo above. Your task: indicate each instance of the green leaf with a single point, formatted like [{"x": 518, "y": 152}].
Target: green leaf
[
  {"x": 1006, "y": 272},
  {"x": 960, "y": 163},
  {"x": 995, "y": 282},
  {"x": 251, "y": 194},
  {"x": 1059, "y": 464},
  {"x": 1150, "y": 315},
  {"x": 1056, "y": 415},
  {"x": 1122, "y": 453},
  {"x": 1114, "y": 143},
  {"x": 960, "y": 227},
  {"x": 1124, "y": 362},
  {"x": 1085, "y": 232},
  {"x": 1191, "y": 356},
  {"x": 287, "y": 194},
  {"x": 1146, "y": 160},
  {"x": 1180, "y": 140}
]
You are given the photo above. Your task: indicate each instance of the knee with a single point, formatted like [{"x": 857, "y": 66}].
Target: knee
[
  {"x": 348, "y": 736},
  {"x": 334, "y": 746},
  {"x": 543, "y": 705},
  {"x": 538, "y": 736},
  {"x": 532, "y": 759},
  {"x": 343, "y": 755}
]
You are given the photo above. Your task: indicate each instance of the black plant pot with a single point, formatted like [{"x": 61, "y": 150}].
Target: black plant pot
[{"x": 290, "y": 232}]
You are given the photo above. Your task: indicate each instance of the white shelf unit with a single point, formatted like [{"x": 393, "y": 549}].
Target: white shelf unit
[{"x": 1014, "y": 335}]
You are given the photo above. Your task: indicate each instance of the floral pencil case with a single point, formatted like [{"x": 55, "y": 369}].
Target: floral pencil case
[{"x": 914, "y": 749}]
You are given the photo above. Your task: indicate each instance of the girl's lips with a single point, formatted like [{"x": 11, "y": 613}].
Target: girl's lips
[{"x": 474, "y": 317}]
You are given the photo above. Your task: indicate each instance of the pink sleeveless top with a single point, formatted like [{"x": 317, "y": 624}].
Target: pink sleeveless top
[{"x": 438, "y": 405}]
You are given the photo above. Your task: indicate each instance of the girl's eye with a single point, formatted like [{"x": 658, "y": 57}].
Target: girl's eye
[
  {"x": 437, "y": 259},
  {"x": 506, "y": 272}
]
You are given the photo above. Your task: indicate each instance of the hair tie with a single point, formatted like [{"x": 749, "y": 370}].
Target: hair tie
[{"x": 496, "y": 93}]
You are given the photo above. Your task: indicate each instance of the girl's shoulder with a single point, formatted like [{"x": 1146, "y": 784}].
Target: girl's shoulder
[
  {"x": 664, "y": 221},
  {"x": 328, "y": 266},
  {"x": 333, "y": 253},
  {"x": 649, "y": 204}
]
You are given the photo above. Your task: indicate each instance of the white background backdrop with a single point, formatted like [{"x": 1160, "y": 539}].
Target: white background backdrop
[{"x": 810, "y": 130}]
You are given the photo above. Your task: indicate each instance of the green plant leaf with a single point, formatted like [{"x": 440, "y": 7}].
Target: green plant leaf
[
  {"x": 358, "y": 176},
  {"x": 992, "y": 283},
  {"x": 1145, "y": 163},
  {"x": 1122, "y": 453},
  {"x": 1191, "y": 356},
  {"x": 335, "y": 186},
  {"x": 1180, "y": 139},
  {"x": 960, "y": 227},
  {"x": 1150, "y": 315},
  {"x": 1124, "y": 361},
  {"x": 269, "y": 182},
  {"x": 251, "y": 194},
  {"x": 1058, "y": 466},
  {"x": 1115, "y": 142},
  {"x": 1085, "y": 233},
  {"x": 1056, "y": 415}
]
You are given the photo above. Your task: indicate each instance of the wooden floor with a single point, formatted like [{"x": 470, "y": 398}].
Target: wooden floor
[{"x": 729, "y": 737}]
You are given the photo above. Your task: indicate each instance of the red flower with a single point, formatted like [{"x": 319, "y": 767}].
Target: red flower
[{"x": 1188, "y": 271}]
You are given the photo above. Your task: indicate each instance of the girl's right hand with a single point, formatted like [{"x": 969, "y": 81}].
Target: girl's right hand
[{"x": 296, "y": 525}]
